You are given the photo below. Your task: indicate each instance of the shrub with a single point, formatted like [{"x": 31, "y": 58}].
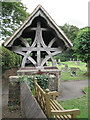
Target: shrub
[
  {"x": 9, "y": 59},
  {"x": 42, "y": 80}
]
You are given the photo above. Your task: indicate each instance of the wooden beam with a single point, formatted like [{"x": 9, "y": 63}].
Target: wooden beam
[
  {"x": 38, "y": 37},
  {"x": 51, "y": 42},
  {"x": 35, "y": 28},
  {"x": 35, "y": 49},
  {"x": 66, "y": 112},
  {"x": 24, "y": 42},
  {"x": 24, "y": 59},
  {"x": 48, "y": 57},
  {"x": 50, "y": 54},
  {"x": 45, "y": 29},
  {"x": 26, "y": 56}
]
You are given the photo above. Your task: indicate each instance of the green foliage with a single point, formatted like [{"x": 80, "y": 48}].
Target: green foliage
[
  {"x": 71, "y": 31},
  {"x": 66, "y": 55},
  {"x": 82, "y": 44},
  {"x": 13, "y": 14},
  {"x": 42, "y": 80},
  {"x": 9, "y": 59}
]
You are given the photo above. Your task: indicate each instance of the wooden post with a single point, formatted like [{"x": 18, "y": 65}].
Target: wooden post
[
  {"x": 35, "y": 82},
  {"x": 73, "y": 116},
  {"x": 54, "y": 96},
  {"x": 48, "y": 108},
  {"x": 57, "y": 81}
]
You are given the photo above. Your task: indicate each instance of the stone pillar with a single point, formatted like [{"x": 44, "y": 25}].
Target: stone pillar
[
  {"x": 14, "y": 91},
  {"x": 52, "y": 82}
]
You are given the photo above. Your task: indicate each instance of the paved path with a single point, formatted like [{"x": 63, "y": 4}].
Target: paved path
[{"x": 72, "y": 89}]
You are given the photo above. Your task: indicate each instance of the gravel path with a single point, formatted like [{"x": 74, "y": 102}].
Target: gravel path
[{"x": 72, "y": 89}]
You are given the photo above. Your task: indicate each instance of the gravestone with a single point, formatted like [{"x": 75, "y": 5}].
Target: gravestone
[
  {"x": 59, "y": 60},
  {"x": 78, "y": 63}
]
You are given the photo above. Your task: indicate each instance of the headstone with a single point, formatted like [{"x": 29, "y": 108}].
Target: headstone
[
  {"x": 78, "y": 63},
  {"x": 54, "y": 63},
  {"x": 59, "y": 60},
  {"x": 75, "y": 63},
  {"x": 66, "y": 65}
]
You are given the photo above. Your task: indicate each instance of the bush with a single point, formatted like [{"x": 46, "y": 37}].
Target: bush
[
  {"x": 42, "y": 80},
  {"x": 9, "y": 59}
]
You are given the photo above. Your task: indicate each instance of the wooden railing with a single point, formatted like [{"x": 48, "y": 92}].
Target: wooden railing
[
  {"x": 43, "y": 98},
  {"x": 50, "y": 106}
]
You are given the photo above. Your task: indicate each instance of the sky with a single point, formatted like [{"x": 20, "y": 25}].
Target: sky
[{"x": 73, "y": 12}]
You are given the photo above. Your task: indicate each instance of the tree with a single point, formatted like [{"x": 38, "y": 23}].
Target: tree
[
  {"x": 71, "y": 32},
  {"x": 82, "y": 46},
  {"x": 13, "y": 14}
]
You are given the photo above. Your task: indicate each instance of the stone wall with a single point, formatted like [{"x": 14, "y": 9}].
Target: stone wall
[
  {"x": 14, "y": 91},
  {"x": 21, "y": 95}
]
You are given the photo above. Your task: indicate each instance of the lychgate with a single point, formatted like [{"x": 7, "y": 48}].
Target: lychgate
[{"x": 38, "y": 39}]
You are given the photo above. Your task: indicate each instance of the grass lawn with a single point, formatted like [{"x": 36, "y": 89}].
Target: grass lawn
[
  {"x": 80, "y": 103},
  {"x": 79, "y": 74}
]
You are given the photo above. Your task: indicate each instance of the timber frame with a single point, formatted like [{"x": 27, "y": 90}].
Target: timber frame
[{"x": 38, "y": 39}]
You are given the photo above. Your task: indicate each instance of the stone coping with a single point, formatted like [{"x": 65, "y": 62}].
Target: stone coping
[{"x": 33, "y": 69}]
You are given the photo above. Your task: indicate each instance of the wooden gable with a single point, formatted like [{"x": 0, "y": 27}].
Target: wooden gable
[{"x": 38, "y": 39}]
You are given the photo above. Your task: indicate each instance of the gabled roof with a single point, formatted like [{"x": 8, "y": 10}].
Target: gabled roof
[{"x": 39, "y": 10}]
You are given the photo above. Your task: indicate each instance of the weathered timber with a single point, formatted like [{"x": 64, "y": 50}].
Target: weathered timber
[
  {"x": 51, "y": 107},
  {"x": 51, "y": 42},
  {"x": 24, "y": 41},
  {"x": 47, "y": 39},
  {"x": 34, "y": 29},
  {"x": 41, "y": 46},
  {"x": 15, "y": 48},
  {"x": 48, "y": 57},
  {"x": 39, "y": 11}
]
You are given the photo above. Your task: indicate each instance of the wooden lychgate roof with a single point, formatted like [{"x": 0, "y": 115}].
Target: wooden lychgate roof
[{"x": 39, "y": 10}]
